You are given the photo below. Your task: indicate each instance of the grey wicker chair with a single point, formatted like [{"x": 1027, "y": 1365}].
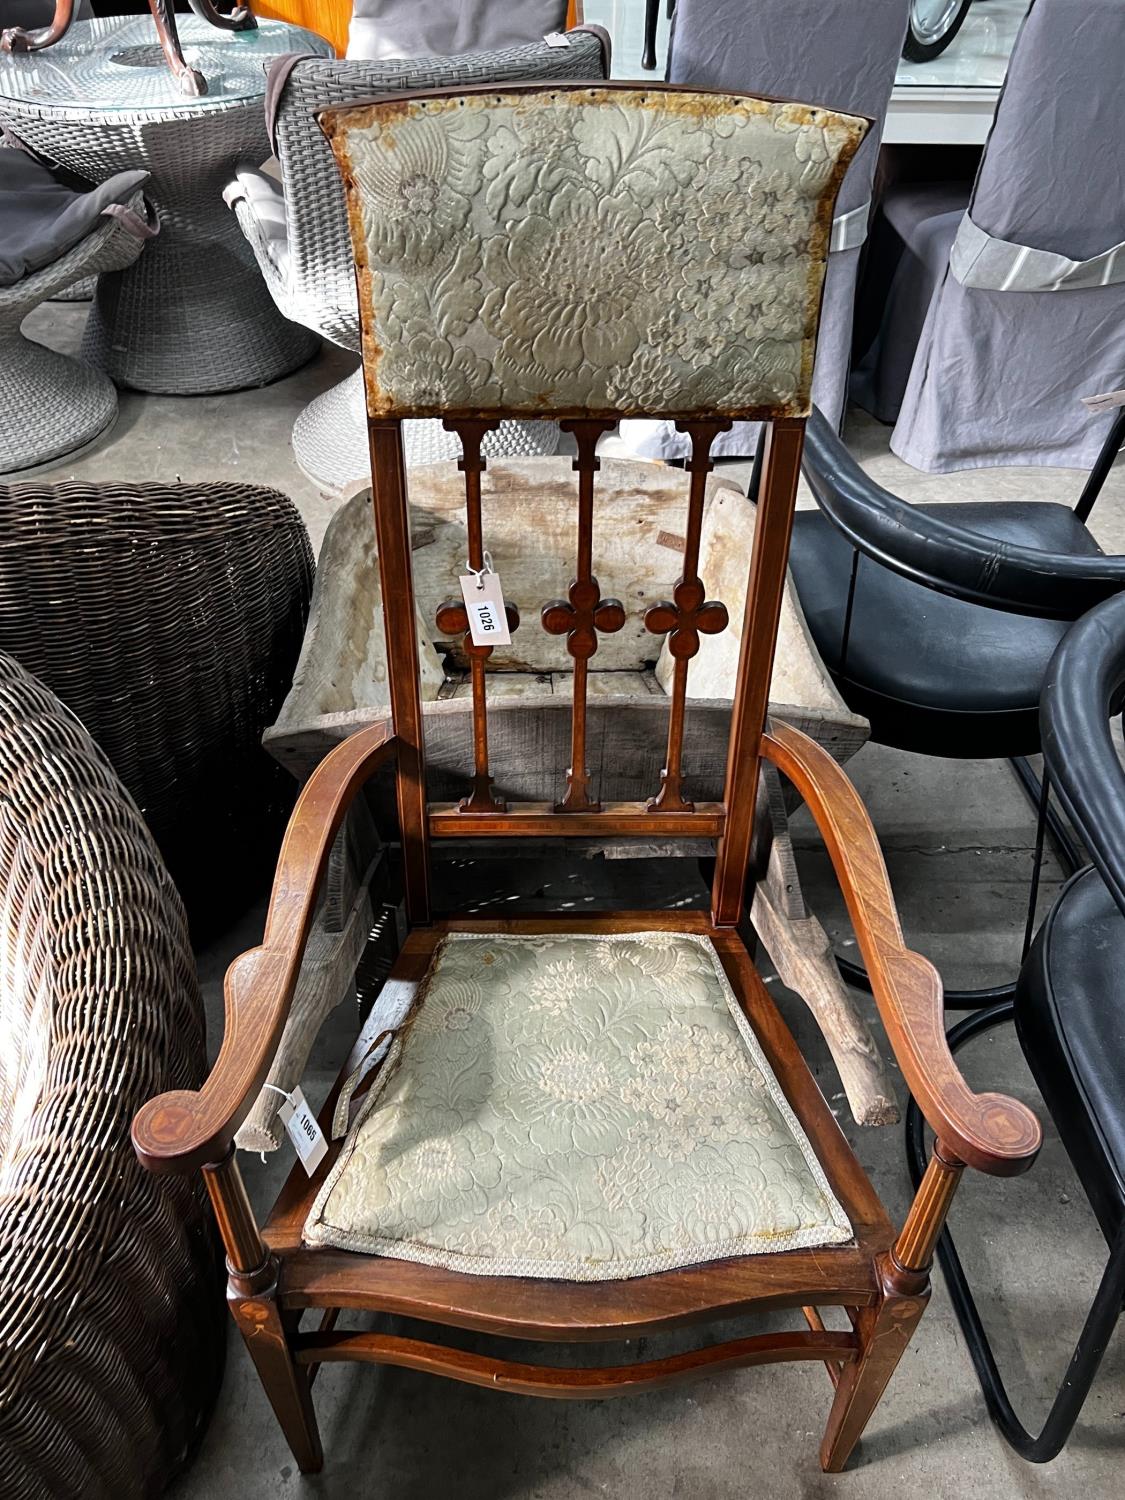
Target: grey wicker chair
[
  {"x": 112, "y": 1325},
  {"x": 169, "y": 618},
  {"x": 298, "y": 230},
  {"x": 53, "y": 404}
]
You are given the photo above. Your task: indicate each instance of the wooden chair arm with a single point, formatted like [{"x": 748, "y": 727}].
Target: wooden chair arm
[
  {"x": 989, "y": 1131},
  {"x": 178, "y": 1132}
]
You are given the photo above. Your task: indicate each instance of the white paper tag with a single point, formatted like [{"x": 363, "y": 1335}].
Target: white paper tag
[
  {"x": 556, "y": 39},
  {"x": 1106, "y": 401},
  {"x": 484, "y": 606},
  {"x": 302, "y": 1129}
]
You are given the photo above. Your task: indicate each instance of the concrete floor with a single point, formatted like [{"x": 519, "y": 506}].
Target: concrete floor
[{"x": 957, "y": 840}]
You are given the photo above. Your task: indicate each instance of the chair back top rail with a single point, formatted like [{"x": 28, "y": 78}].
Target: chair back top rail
[{"x": 583, "y": 252}]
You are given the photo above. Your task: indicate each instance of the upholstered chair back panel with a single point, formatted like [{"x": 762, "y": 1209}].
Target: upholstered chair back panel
[{"x": 574, "y": 251}]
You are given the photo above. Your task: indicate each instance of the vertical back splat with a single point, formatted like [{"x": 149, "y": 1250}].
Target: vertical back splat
[
  {"x": 781, "y": 470},
  {"x": 452, "y": 616},
  {"x": 583, "y": 613},
  {"x": 686, "y": 616},
  {"x": 392, "y": 531}
]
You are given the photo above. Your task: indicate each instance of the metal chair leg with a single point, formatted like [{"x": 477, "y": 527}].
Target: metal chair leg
[
  {"x": 648, "y": 56},
  {"x": 1096, "y": 1332},
  {"x": 1070, "y": 857}
]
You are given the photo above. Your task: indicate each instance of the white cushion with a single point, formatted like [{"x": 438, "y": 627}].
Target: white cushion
[{"x": 578, "y": 1107}]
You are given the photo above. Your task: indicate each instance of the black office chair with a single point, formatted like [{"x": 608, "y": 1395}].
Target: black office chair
[
  {"x": 937, "y": 622},
  {"x": 1070, "y": 1009}
]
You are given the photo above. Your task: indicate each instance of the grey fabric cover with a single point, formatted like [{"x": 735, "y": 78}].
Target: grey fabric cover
[
  {"x": 908, "y": 257},
  {"x": 41, "y": 218},
  {"x": 820, "y": 52},
  {"x": 996, "y": 376},
  {"x": 382, "y": 29}
]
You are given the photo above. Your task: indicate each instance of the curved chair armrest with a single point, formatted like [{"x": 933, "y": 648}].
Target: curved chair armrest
[
  {"x": 988, "y": 1131},
  {"x": 180, "y": 1131},
  {"x": 941, "y": 556}
]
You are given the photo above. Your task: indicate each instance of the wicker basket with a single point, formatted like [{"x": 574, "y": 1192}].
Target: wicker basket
[
  {"x": 113, "y": 1326},
  {"x": 169, "y": 619}
]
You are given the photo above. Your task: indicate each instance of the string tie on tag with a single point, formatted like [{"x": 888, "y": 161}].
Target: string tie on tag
[{"x": 479, "y": 573}]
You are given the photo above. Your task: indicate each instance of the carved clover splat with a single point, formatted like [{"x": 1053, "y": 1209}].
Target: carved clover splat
[
  {"x": 583, "y": 617},
  {"x": 683, "y": 619}
]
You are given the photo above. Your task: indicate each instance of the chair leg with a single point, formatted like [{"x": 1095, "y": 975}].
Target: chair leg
[
  {"x": 252, "y": 1299},
  {"x": 648, "y": 56},
  {"x": 884, "y": 1331},
  {"x": 286, "y": 1384}
]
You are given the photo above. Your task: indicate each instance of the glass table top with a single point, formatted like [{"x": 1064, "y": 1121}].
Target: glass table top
[
  {"x": 116, "y": 64},
  {"x": 977, "y": 57}
]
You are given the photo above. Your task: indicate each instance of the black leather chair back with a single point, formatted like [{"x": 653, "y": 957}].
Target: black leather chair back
[
  {"x": 1084, "y": 688},
  {"x": 949, "y": 559}
]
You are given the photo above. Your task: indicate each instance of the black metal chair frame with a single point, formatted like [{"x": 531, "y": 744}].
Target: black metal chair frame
[
  {"x": 1079, "y": 757},
  {"x": 971, "y": 567}
]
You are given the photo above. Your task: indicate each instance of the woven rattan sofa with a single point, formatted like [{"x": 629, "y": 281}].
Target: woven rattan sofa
[
  {"x": 169, "y": 619},
  {"x": 298, "y": 229},
  {"x": 111, "y": 1312}
]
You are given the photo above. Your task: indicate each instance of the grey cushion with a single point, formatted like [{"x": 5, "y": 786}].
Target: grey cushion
[
  {"x": 41, "y": 218},
  {"x": 381, "y": 29}
]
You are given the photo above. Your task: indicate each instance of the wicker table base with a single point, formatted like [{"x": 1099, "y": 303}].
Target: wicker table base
[{"x": 193, "y": 316}]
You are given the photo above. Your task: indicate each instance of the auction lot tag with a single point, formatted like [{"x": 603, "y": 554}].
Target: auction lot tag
[
  {"x": 302, "y": 1129},
  {"x": 484, "y": 606}
]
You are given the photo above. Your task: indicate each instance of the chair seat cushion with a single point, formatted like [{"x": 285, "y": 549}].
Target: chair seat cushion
[
  {"x": 934, "y": 674},
  {"x": 578, "y": 1107},
  {"x": 1071, "y": 1020},
  {"x": 42, "y": 218}
]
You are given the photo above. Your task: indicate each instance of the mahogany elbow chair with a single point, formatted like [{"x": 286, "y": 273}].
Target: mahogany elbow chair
[{"x": 589, "y": 1127}]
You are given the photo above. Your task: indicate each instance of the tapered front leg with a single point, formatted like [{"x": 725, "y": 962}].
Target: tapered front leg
[
  {"x": 285, "y": 1383},
  {"x": 885, "y": 1329}
]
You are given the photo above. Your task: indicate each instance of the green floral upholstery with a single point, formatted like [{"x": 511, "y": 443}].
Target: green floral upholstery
[
  {"x": 568, "y": 251},
  {"x": 578, "y": 1107}
]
